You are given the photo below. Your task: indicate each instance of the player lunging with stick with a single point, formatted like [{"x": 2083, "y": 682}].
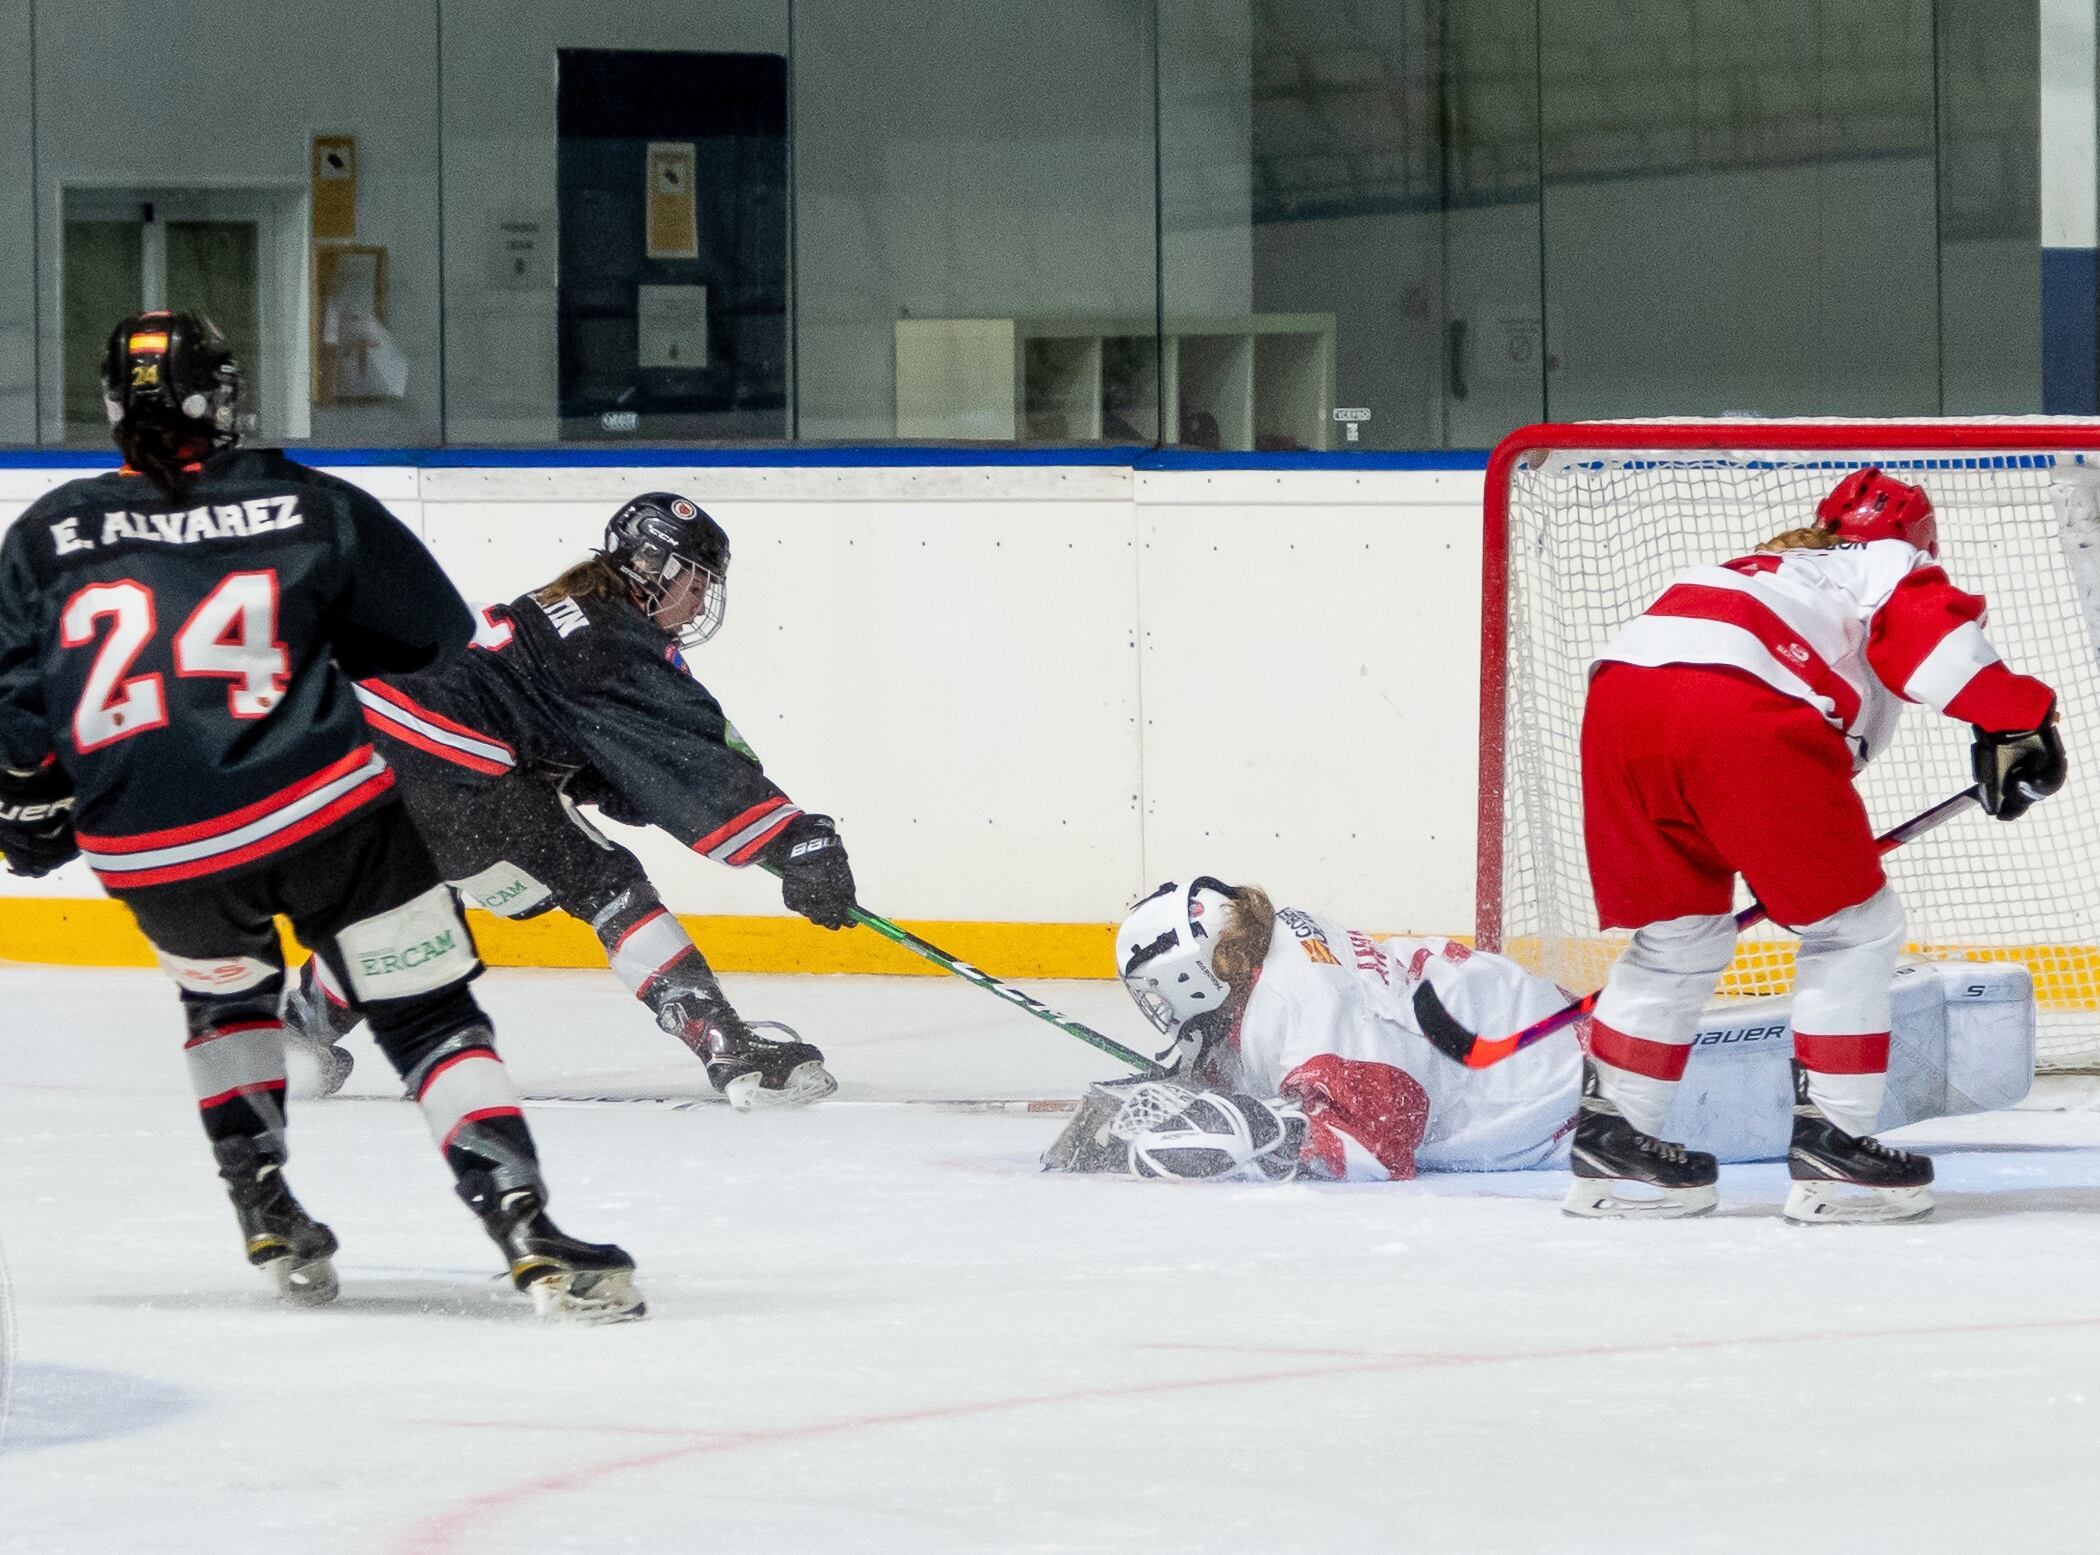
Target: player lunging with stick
[
  {"x": 1720, "y": 737},
  {"x": 575, "y": 692}
]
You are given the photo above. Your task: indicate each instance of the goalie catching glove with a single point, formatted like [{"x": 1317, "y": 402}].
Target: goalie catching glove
[
  {"x": 2016, "y": 767},
  {"x": 36, "y": 820},
  {"x": 1160, "y": 1130}
]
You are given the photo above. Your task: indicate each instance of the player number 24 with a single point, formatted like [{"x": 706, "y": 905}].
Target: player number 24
[{"x": 231, "y": 635}]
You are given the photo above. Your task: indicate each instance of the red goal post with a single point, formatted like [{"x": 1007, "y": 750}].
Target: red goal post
[{"x": 1585, "y": 522}]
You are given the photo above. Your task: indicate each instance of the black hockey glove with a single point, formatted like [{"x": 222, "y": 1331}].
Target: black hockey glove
[
  {"x": 36, "y": 820},
  {"x": 815, "y": 879},
  {"x": 2017, "y": 768}
]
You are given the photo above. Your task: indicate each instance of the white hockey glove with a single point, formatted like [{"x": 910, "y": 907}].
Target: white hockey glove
[{"x": 1209, "y": 1135}]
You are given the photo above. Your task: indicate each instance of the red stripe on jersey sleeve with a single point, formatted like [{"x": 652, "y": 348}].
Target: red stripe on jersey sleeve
[
  {"x": 1698, "y": 601},
  {"x": 1381, "y": 1107},
  {"x": 735, "y": 824},
  {"x": 1999, "y": 700},
  {"x": 758, "y": 844},
  {"x": 1915, "y": 619}
]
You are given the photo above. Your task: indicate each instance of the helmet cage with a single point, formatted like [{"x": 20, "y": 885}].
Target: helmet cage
[
  {"x": 659, "y": 541},
  {"x": 1164, "y": 950}
]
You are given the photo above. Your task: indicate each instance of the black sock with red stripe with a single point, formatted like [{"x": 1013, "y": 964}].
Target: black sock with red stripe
[
  {"x": 446, "y": 1054},
  {"x": 235, "y": 1055}
]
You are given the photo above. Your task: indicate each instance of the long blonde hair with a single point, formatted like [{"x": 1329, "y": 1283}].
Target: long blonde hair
[
  {"x": 592, "y": 578},
  {"x": 1812, "y": 538},
  {"x": 1244, "y": 941}
]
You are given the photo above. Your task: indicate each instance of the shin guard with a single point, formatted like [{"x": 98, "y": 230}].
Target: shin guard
[
  {"x": 235, "y": 1056},
  {"x": 1649, "y": 1012},
  {"x": 1842, "y": 1008}
]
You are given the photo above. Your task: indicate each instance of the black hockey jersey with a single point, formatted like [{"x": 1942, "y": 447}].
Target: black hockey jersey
[
  {"x": 185, "y": 662},
  {"x": 591, "y": 693}
]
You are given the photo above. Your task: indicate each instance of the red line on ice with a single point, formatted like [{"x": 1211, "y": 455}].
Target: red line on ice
[{"x": 439, "y": 1534}]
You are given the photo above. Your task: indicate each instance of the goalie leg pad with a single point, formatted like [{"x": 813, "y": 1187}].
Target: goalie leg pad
[
  {"x": 1210, "y": 1136},
  {"x": 1085, "y": 1144}
]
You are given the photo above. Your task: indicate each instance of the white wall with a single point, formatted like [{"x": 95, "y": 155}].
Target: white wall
[{"x": 1030, "y": 693}]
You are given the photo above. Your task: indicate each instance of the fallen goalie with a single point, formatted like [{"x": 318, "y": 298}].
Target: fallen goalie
[{"x": 1295, "y": 1054}]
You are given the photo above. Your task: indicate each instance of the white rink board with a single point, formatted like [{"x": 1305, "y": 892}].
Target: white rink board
[
  {"x": 1311, "y": 687},
  {"x": 949, "y": 660}
]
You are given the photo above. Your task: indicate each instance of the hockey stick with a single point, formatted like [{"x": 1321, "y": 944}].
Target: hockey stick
[
  {"x": 1006, "y": 991},
  {"x": 1455, "y": 1042}
]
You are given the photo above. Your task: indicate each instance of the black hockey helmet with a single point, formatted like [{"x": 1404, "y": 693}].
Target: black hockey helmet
[
  {"x": 659, "y": 539},
  {"x": 174, "y": 375}
]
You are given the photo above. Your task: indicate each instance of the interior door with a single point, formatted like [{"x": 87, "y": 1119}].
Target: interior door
[{"x": 104, "y": 280}]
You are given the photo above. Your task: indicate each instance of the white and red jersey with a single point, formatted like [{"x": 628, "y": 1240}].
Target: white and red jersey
[
  {"x": 1855, "y": 632},
  {"x": 1330, "y": 1024}
]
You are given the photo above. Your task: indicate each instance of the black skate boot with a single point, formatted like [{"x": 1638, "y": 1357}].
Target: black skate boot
[
  {"x": 748, "y": 1069},
  {"x": 315, "y": 1025},
  {"x": 282, "y": 1238},
  {"x": 569, "y": 1281},
  {"x": 1610, "y": 1154},
  {"x": 1885, "y": 1183}
]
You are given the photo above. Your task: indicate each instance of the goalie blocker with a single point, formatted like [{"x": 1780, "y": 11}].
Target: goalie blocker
[{"x": 1963, "y": 1041}]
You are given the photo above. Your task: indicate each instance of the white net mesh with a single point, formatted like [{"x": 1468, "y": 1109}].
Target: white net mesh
[{"x": 1594, "y": 536}]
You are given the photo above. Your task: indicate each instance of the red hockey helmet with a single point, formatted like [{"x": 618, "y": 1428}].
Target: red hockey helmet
[{"x": 1868, "y": 505}]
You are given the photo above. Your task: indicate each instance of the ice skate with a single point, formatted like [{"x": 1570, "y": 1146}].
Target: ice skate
[
  {"x": 282, "y": 1238},
  {"x": 749, "y": 1070},
  {"x": 569, "y": 1281},
  {"x": 315, "y": 1025},
  {"x": 1841, "y": 1178},
  {"x": 1610, "y": 1156}
]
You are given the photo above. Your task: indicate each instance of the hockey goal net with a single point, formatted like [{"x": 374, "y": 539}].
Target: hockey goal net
[{"x": 1586, "y": 523}]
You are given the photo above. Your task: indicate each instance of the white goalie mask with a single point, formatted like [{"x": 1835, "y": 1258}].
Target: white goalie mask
[{"x": 1164, "y": 952}]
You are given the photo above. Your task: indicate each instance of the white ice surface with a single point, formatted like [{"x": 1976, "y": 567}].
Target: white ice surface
[{"x": 875, "y": 1326}]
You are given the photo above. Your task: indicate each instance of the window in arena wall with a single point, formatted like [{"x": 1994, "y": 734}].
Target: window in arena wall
[{"x": 237, "y": 255}]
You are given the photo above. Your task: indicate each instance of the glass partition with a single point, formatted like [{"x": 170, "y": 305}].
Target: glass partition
[
  {"x": 1350, "y": 206},
  {"x": 1231, "y": 225},
  {"x": 616, "y": 222},
  {"x": 974, "y": 228},
  {"x": 296, "y": 204},
  {"x": 18, "y": 258}
]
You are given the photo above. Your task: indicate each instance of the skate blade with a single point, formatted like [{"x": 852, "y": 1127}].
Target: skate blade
[
  {"x": 1598, "y": 1198},
  {"x": 309, "y": 1282},
  {"x": 1821, "y": 1202},
  {"x": 805, "y": 1083},
  {"x": 587, "y": 1296}
]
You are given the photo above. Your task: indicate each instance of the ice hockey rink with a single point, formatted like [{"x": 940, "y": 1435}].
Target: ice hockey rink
[{"x": 875, "y": 1325}]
